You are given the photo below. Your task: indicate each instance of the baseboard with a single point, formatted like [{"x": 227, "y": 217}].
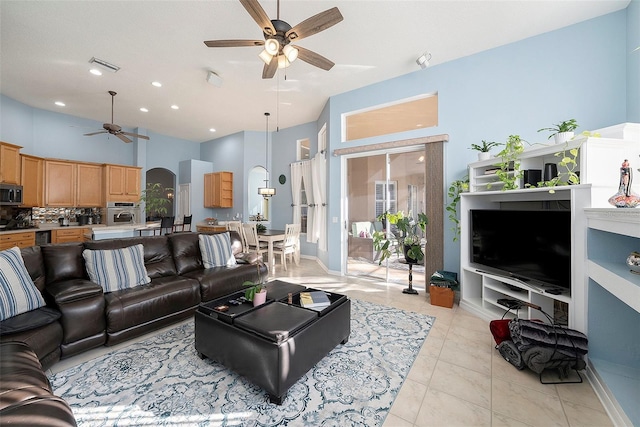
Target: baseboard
[{"x": 609, "y": 402}]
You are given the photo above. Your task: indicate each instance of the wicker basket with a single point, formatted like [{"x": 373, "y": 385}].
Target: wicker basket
[{"x": 441, "y": 296}]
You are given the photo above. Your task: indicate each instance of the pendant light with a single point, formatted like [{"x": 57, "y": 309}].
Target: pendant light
[{"x": 266, "y": 191}]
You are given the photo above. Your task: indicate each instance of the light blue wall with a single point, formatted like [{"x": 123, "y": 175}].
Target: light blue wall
[
  {"x": 284, "y": 153},
  {"x": 56, "y": 135},
  {"x": 633, "y": 62},
  {"x": 575, "y": 72}
]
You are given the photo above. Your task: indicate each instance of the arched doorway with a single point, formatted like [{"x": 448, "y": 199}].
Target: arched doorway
[{"x": 166, "y": 179}]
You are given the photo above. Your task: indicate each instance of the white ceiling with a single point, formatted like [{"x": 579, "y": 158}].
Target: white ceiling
[{"x": 46, "y": 46}]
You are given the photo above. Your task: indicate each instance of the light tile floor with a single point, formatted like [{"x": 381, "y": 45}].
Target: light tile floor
[{"x": 458, "y": 378}]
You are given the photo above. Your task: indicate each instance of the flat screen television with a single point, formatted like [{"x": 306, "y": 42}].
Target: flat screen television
[{"x": 533, "y": 247}]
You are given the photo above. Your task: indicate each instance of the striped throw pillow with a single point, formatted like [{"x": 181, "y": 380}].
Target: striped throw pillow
[
  {"x": 216, "y": 250},
  {"x": 117, "y": 269},
  {"x": 18, "y": 293}
]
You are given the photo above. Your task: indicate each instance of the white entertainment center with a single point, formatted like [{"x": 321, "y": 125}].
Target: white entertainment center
[{"x": 601, "y": 238}]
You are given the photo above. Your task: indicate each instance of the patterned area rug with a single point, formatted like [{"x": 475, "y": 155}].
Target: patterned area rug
[{"x": 162, "y": 382}]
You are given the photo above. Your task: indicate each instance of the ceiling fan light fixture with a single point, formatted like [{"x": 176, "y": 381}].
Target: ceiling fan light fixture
[
  {"x": 283, "y": 62},
  {"x": 290, "y": 52},
  {"x": 272, "y": 46},
  {"x": 266, "y": 56}
]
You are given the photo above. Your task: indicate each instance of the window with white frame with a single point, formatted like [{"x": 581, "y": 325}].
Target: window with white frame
[
  {"x": 381, "y": 195},
  {"x": 304, "y": 149}
]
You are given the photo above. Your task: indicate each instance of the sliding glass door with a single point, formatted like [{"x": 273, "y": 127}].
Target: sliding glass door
[{"x": 389, "y": 181}]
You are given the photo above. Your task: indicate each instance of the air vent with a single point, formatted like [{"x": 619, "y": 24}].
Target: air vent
[{"x": 104, "y": 64}]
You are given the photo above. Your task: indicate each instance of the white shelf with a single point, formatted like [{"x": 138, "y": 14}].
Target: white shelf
[
  {"x": 599, "y": 162},
  {"x": 615, "y": 370}
]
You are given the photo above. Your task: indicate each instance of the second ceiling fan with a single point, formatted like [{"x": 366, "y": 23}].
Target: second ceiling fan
[{"x": 278, "y": 52}]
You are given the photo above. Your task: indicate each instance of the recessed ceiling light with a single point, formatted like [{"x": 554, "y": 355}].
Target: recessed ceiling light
[
  {"x": 60, "y": 104},
  {"x": 156, "y": 84},
  {"x": 212, "y": 130},
  {"x": 144, "y": 110},
  {"x": 175, "y": 107},
  {"x": 95, "y": 72}
]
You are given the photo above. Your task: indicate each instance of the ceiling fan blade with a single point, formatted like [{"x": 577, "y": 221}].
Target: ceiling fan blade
[
  {"x": 123, "y": 138},
  {"x": 314, "y": 59},
  {"x": 270, "y": 69},
  {"x": 233, "y": 43},
  {"x": 95, "y": 133},
  {"x": 259, "y": 15},
  {"x": 315, "y": 24},
  {"x": 134, "y": 135}
]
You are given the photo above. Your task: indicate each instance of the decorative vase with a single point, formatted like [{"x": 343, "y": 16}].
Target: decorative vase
[
  {"x": 561, "y": 137},
  {"x": 633, "y": 261},
  {"x": 625, "y": 198},
  {"x": 484, "y": 155},
  {"x": 260, "y": 298},
  {"x": 408, "y": 258}
]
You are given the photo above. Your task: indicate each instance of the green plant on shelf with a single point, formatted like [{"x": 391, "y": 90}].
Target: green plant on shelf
[
  {"x": 456, "y": 188},
  {"x": 485, "y": 147},
  {"x": 510, "y": 172},
  {"x": 564, "y": 126}
]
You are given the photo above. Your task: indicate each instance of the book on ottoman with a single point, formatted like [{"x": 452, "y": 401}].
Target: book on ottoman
[{"x": 314, "y": 300}]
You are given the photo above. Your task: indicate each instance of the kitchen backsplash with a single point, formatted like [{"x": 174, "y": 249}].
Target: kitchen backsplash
[
  {"x": 39, "y": 215},
  {"x": 51, "y": 215}
]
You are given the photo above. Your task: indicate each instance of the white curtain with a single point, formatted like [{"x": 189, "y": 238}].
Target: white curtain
[
  {"x": 308, "y": 189},
  {"x": 296, "y": 185},
  {"x": 319, "y": 172}
]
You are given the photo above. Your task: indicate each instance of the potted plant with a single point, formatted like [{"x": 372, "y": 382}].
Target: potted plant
[
  {"x": 562, "y": 131},
  {"x": 155, "y": 200},
  {"x": 409, "y": 239},
  {"x": 256, "y": 292},
  {"x": 510, "y": 172},
  {"x": 483, "y": 150}
]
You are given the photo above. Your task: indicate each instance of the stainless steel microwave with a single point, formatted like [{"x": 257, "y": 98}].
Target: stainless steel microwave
[{"x": 10, "y": 194}]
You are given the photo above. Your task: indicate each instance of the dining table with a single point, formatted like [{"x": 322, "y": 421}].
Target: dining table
[{"x": 271, "y": 236}]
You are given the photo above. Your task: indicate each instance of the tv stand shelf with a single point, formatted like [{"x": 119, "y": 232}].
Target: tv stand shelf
[{"x": 494, "y": 287}]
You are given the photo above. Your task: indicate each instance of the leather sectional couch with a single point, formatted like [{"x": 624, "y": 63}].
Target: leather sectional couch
[{"x": 79, "y": 316}]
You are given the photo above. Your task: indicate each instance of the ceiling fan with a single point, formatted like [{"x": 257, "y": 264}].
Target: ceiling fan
[
  {"x": 114, "y": 129},
  {"x": 278, "y": 52}
]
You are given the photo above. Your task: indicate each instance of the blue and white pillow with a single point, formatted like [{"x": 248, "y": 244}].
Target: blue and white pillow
[
  {"x": 18, "y": 293},
  {"x": 216, "y": 250},
  {"x": 117, "y": 269}
]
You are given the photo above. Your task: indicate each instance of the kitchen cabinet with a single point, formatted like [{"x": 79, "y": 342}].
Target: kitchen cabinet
[
  {"x": 218, "y": 190},
  {"x": 60, "y": 183},
  {"x": 89, "y": 188},
  {"x": 9, "y": 163},
  {"x": 67, "y": 235},
  {"x": 122, "y": 183},
  {"x": 21, "y": 240},
  {"x": 32, "y": 179}
]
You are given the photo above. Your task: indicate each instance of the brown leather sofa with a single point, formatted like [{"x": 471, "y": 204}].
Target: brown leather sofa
[{"x": 79, "y": 316}]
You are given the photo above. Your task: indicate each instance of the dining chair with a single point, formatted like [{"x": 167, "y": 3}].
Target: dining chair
[
  {"x": 237, "y": 227},
  {"x": 166, "y": 224},
  {"x": 186, "y": 222},
  {"x": 251, "y": 236},
  {"x": 289, "y": 246}
]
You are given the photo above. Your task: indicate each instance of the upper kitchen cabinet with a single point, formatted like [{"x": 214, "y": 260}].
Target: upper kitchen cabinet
[
  {"x": 60, "y": 183},
  {"x": 122, "y": 183},
  {"x": 9, "y": 163},
  {"x": 218, "y": 190},
  {"x": 89, "y": 188},
  {"x": 32, "y": 179}
]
